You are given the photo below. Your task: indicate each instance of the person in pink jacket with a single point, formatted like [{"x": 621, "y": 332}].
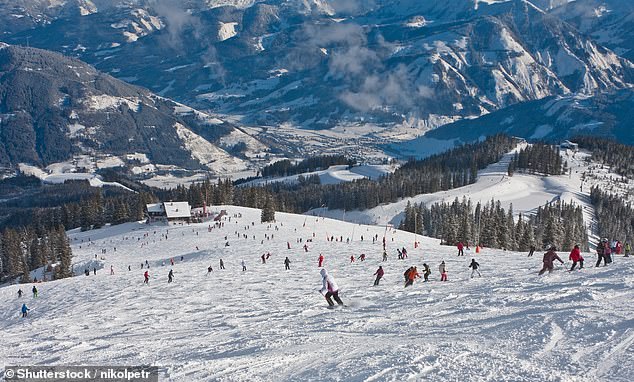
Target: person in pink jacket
[{"x": 575, "y": 256}]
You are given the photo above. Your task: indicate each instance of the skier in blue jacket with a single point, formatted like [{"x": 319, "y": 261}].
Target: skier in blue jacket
[{"x": 24, "y": 310}]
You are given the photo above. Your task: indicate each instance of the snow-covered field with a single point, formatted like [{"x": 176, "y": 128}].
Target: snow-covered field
[{"x": 268, "y": 324}]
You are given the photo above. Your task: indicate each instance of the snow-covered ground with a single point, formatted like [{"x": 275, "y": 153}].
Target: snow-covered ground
[{"x": 268, "y": 324}]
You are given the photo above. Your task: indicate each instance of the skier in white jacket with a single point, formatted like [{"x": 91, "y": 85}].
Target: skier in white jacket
[{"x": 329, "y": 288}]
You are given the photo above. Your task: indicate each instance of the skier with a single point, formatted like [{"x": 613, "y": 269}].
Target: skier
[
  {"x": 362, "y": 257},
  {"x": 19, "y": 293},
  {"x": 549, "y": 257},
  {"x": 129, "y": 268},
  {"x": 263, "y": 259},
  {"x": 146, "y": 276},
  {"x": 244, "y": 266},
  {"x": 305, "y": 247},
  {"x": 34, "y": 290},
  {"x": 222, "y": 264},
  {"x": 406, "y": 273},
  {"x": 379, "y": 274},
  {"x": 575, "y": 256},
  {"x": 209, "y": 270},
  {"x": 628, "y": 249},
  {"x": 600, "y": 250},
  {"x": 532, "y": 250},
  {"x": 24, "y": 310},
  {"x": 94, "y": 271},
  {"x": 111, "y": 270},
  {"x": 443, "y": 271},
  {"x": 474, "y": 266},
  {"x": 411, "y": 276},
  {"x": 170, "y": 276},
  {"x": 329, "y": 288},
  {"x": 320, "y": 260},
  {"x": 287, "y": 264},
  {"x": 400, "y": 254},
  {"x": 384, "y": 256},
  {"x": 352, "y": 258},
  {"x": 404, "y": 252},
  {"x": 426, "y": 271},
  {"x": 607, "y": 253},
  {"x": 460, "y": 247},
  {"x": 87, "y": 272}
]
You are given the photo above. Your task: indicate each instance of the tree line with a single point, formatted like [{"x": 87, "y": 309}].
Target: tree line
[
  {"x": 615, "y": 217},
  {"x": 24, "y": 250},
  {"x": 618, "y": 156},
  {"x": 489, "y": 225},
  {"x": 285, "y": 167},
  {"x": 538, "y": 158}
]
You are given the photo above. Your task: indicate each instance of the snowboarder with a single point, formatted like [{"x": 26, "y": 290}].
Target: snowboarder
[
  {"x": 244, "y": 266},
  {"x": 411, "y": 276},
  {"x": 222, "y": 264},
  {"x": 25, "y": 311},
  {"x": 379, "y": 274},
  {"x": 34, "y": 290},
  {"x": 443, "y": 271},
  {"x": 146, "y": 276},
  {"x": 209, "y": 270},
  {"x": 170, "y": 276},
  {"x": 19, "y": 293},
  {"x": 426, "y": 271},
  {"x": 329, "y": 288},
  {"x": 320, "y": 260},
  {"x": 87, "y": 272},
  {"x": 460, "y": 247},
  {"x": 474, "y": 266},
  {"x": 287, "y": 264},
  {"x": 575, "y": 256},
  {"x": 549, "y": 257},
  {"x": 532, "y": 250}
]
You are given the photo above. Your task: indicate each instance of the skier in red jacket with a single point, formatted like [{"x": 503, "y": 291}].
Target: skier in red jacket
[
  {"x": 575, "y": 256},
  {"x": 321, "y": 260}
]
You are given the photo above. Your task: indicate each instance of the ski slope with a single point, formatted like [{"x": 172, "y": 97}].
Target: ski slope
[{"x": 268, "y": 324}]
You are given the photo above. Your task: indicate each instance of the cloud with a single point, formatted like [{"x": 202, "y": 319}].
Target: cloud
[
  {"x": 351, "y": 7},
  {"x": 178, "y": 21}
]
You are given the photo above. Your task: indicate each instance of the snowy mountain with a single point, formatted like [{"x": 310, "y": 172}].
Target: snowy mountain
[
  {"x": 270, "y": 324},
  {"x": 325, "y": 64},
  {"x": 54, "y": 109},
  {"x": 552, "y": 118}
]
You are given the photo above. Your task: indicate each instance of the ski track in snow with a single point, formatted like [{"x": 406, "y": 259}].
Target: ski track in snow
[{"x": 267, "y": 324}]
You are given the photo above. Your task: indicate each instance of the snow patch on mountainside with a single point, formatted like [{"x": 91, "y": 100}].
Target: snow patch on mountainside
[
  {"x": 107, "y": 102},
  {"x": 226, "y": 31},
  {"x": 207, "y": 154}
]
